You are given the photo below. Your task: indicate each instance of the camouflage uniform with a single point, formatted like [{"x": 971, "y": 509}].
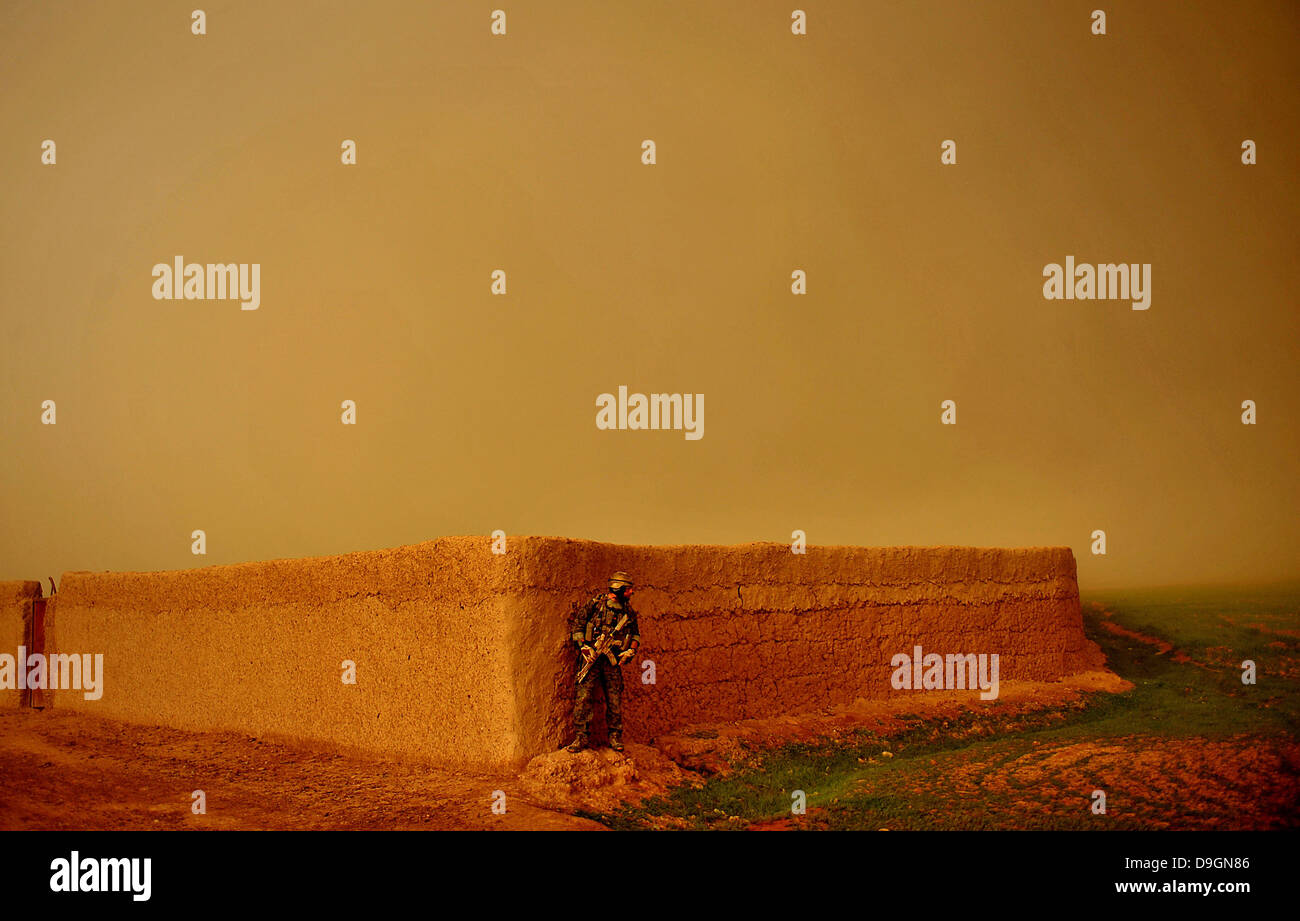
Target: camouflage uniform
[{"x": 597, "y": 616}]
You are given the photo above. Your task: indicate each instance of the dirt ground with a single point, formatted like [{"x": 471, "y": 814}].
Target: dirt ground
[
  {"x": 65, "y": 770},
  {"x": 62, "y": 770},
  {"x": 70, "y": 771}
]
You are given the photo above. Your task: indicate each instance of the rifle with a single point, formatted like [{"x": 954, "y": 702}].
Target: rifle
[{"x": 601, "y": 646}]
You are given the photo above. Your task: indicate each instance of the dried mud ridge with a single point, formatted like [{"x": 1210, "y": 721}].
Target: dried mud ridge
[{"x": 1162, "y": 647}]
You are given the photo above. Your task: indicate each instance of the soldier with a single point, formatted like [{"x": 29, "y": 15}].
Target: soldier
[{"x": 606, "y": 634}]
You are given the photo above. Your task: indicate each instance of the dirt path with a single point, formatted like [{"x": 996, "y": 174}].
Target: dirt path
[{"x": 71, "y": 771}]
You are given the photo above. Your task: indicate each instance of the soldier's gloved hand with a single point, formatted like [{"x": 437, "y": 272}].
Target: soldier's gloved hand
[
  {"x": 625, "y": 655},
  {"x": 588, "y": 654}
]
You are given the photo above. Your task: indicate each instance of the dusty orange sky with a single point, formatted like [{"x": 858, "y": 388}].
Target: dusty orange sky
[{"x": 775, "y": 152}]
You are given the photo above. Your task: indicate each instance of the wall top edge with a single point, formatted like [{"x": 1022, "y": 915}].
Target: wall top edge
[{"x": 534, "y": 544}]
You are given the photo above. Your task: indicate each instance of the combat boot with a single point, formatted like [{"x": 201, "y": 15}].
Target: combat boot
[
  {"x": 579, "y": 742},
  {"x": 616, "y": 740}
]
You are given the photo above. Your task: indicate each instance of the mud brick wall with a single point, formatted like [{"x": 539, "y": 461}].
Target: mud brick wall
[
  {"x": 15, "y": 610},
  {"x": 463, "y": 656},
  {"x": 754, "y": 630},
  {"x": 258, "y": 648}
]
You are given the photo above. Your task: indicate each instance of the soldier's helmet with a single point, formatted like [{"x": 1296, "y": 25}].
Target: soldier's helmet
[{"x": 620, "y": 581}]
